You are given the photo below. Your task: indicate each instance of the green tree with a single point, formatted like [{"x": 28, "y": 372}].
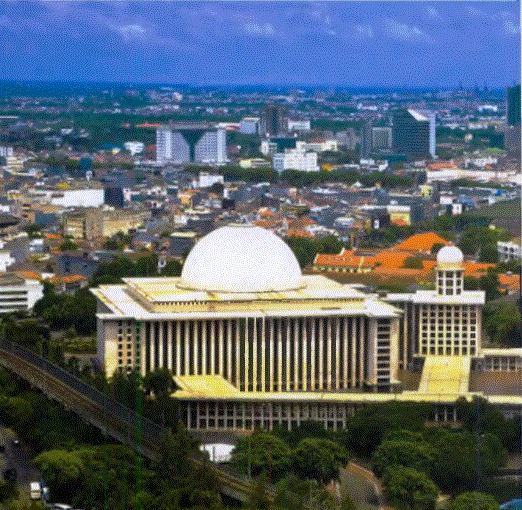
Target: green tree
[
  {"x": 172, "y": 268},
  {"x": 489, "y": 284},
  {"x": 502, "y": 323},
  {"x": 319, "y": 459},
  {"x": 259, "y": 499},
  {"x": 262, "y": 452},
  {"x": 461, "y": 458},
  {"x": 158, "y": 382},
  {"x": 473, "y": 501},
  {"x": 488, "y": 253},
  {"x": 62, "y": 471},
  {"x": 68, "y": 245},
  {"x": 408, "y": 489},
  {"x": 418, "y": 455},
  {"x": 292, "y": 492}
]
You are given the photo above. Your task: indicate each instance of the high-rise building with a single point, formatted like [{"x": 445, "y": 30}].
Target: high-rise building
[
  {"x": 191, "y": 142},
  {"x": 365, "y": 136},
  {"x": 381, "y": 137},
  {"x": 272, "y": 120},
  {"x": 512, "y": 139},
  {"x": 513, "y": 106},
  {"x": 414, "y": 133}
]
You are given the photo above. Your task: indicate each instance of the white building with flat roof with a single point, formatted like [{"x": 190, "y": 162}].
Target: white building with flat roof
[
  {"x": 294, "y": 159},
  {"x": 191, "y": 142}
]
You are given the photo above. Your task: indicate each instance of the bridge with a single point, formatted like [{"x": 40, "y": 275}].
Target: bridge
[{"x": 106, "y": 413}]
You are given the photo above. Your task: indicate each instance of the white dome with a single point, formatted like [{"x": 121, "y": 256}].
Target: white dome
[
  {"x": 449, "y": 256},
  {"x": 241, "y": 258}
]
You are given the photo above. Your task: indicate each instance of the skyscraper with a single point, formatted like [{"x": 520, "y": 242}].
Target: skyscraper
[
  {"x": 512, "y": 140},
  {"x": 513, "y": 106},
  {"x": 272, "y": 122},
  {"x": 190, "y": 142},
  {"x": 414, "y": 133}
]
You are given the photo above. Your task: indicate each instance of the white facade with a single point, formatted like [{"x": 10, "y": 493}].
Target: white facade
[
  {"x": 84, "y": 197},
  {"x": 295, "y": 160},
  {"x": 206, "y": 180},
  {"x": 180, "y": 144},
  {"x": 326, "y": 145},
  {"x": 298, "y": 125},
  {"x": 6, "y": 152},
  {"x": 134, "y": 147},
  {"x": 5, "y": 261},
  {"x": 508, "y": 250},
  {"x": 250, "y": 125},
  {"x": 17, "y": 294}
]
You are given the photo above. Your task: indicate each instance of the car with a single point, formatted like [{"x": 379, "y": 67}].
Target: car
[{"x": 10, "y": 475}]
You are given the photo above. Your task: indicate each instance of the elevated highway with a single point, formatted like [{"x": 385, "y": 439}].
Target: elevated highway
[{"x": 104, "y": 412}]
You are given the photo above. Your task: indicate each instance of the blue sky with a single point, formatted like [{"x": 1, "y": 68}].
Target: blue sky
[{"x": 334, "y": 43}]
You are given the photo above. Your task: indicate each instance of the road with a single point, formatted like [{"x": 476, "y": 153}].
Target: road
[{"x": 19, "y": 458}]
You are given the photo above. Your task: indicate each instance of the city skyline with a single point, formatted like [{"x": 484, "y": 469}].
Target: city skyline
[{"x": 354, "y": 44}]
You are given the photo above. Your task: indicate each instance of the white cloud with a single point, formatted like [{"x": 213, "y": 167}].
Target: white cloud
[
  {"x": 433, "y": 13},
  {"x": 473, "y": 11},
  {"x": 131, "y": 32},
  {"x": 363, "y": 31},
  {"x": 259, "y": 30},
  {"x": 511, "y": 28},
  {"x": 407, "y": 33}
]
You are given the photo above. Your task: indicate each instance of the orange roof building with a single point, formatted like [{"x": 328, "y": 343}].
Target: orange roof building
[
  {"x": 344, "y": 262},
  {"x": 421, "y": 242}
]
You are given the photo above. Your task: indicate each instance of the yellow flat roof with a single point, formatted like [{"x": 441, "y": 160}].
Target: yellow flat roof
[
  {"x": 445, "y": 374},
  {"x": 205, "y": 386},
  {"x": 215, "y": 387}
]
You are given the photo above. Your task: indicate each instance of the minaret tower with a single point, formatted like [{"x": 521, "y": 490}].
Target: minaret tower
[{"x": 449, "y": 279}]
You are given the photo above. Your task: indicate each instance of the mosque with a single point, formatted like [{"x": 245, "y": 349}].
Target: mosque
[{"x": 252, "y": 342}]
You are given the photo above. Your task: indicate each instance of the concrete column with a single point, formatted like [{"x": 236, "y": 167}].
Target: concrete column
[
  {"x": 187, "y": 348},
  {"x": 262, "y": 342},
  {"x": 289, "y": 361},
  {"x": 195, "y": 345},
  {"x": 221, "y": 349},
  {"x": 237, "y": 353},
  {"x": 161, "y": 339},
  {"x": 297, "y": 349},
  {"x": 329, "y": 341},
  {"x": 143, "y": 339},
  {"x": 255, "y": 347},
  {"x": 212, "y": 347},
  {"x": 152, "y": 345},
  {"x": 170, "y": 358},
  {"x": 247, "y": 352},
  {"x": 202, "y": 340},
  {"x": 178, "y": 348},
  {"x": 361, "y": 353},
  {"x": 229, "y": 350},
  {"x": 279, "y": 353},
  {"x": 338, "y": 376},
  {"x": 354, "y": 351},
  {"x": 304, "y": 353},
  {"x": 313, "y": 363},
  {"x": 321, "y": 354},
  {"x": 346, "y": 360}
]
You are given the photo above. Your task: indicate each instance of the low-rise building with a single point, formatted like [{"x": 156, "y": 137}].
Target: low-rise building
[
  {"x": 295, "y": 160},
  {"x": 509, "y": 250},
  {"x": 95, "y": 223},
  {"x": 17, "y": 293}
]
